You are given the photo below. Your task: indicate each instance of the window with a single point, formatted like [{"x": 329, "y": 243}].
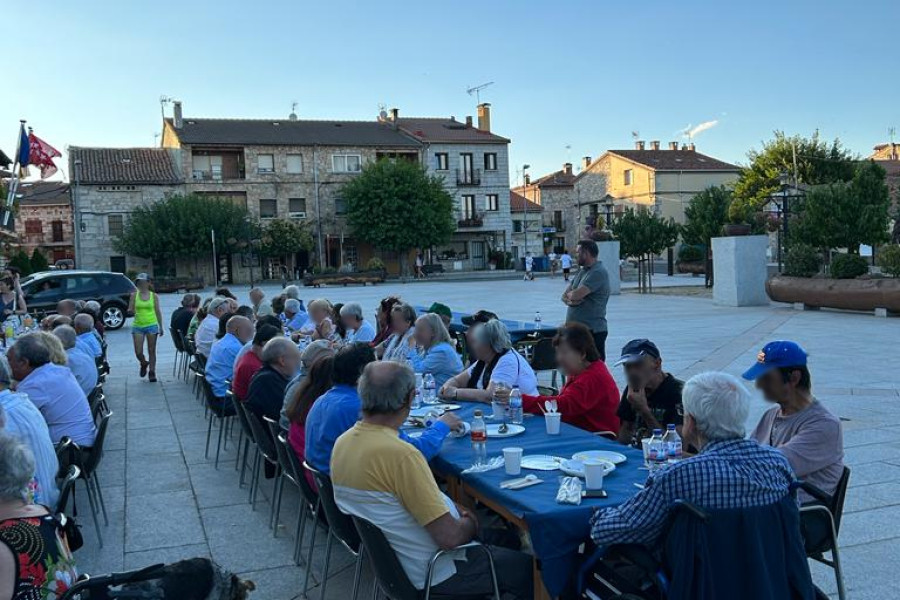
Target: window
[
  {"x": 340, "y": 207},
  {"x": 115, "y": 225},
  {"x": 492, "y": 202},
  {"x": 34, "y": 226},
  {"x": 268, "y": 208},
  {"x": 517, "y": 226},
  {"x": 628, "y": 174},
  {"x": 442, "y": 161},
  {"x": 294, "y": 163},
  {"x": 57, "y": 227},
  {"x": 117, "y": 264},
  {"x": 346, "y": 163},
  {"x": 266, "y": 163},
  {"x": 468, "y": 207},
  {"x": 490, "y": 161},
  {"x": 297, "y": 207}
]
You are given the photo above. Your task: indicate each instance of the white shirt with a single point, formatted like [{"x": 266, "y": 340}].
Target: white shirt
[
  {"x": 206, "y": 334},
  {"x": 512, "y": 370},
  {"x": 529, "y": 262},
  {"x": 566, "y": 261}
]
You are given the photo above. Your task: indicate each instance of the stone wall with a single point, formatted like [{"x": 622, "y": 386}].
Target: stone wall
[{"x": 46, "y": 214}]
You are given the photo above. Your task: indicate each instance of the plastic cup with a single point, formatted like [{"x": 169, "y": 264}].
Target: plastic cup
[
  {"x": 512, "y": 459},
  {"x": 645, "y": 446},
  {"x": 593, "y": 474},
  {"x": 552, "y": 421},
  {"x": 499, "y": 409}
]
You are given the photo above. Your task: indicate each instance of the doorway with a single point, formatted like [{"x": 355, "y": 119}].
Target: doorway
[{"x": 478, "y": 262}]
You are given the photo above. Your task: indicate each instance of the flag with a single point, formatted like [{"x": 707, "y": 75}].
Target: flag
[
  {"x": 42, "y": 155},
  {"x": 24, "y": 151}
]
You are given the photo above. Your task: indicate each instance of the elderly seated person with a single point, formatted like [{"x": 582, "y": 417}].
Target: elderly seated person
[
  {"x": 358, "y": 329},
  {"x": 88, "y": 339},
  {"x": 20, "y": 418},
  {"x": 209, "y": 326},
  {"x": 281, "y": 359},
  {"x": 338, "y": 409},
  {"x": 497, "y": 363},
  {"x": 220, "y": 365},
  {"x": 294, "y": 315},
  {"x": 35, "y": 561},
  {"x": 246, "y": 366},
  {"x": 380, "y": 478},
  {"x": 181, "y": 317},
  {"x": 652, "y": 398},
  {"x": 52, "y": 388},
  {"x": 261, "y": 306},
  {"x": 437, "y": 355},
  {"x": 310, "y": 356},
  {"x": 82, "y": 365},
  {"x": 396, "y": 346}
]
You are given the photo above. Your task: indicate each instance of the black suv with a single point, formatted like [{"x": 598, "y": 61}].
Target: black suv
[{"x": 111, "y": 290}]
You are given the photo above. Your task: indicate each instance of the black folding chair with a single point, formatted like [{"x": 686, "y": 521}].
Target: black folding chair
[
  {"x": 824, "y": 518},
  {"x": 266, "y": 446},
  {"x": 543, "y": 358},
  {"x": 244, "y": 441},
  {"x": 219, "y": 410},
  {"x": 66, "y": 488},
  {"x": 178, "y": 342},
  {"x": 97, "y": 401}
]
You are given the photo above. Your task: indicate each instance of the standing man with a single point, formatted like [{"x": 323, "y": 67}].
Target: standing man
[
  {"x": 566, "y": 261},
  {"x": 588, "y": 294}
]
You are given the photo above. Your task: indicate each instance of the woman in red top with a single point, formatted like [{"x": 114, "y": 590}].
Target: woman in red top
[
  {"x": 247, "y": 366},
  {"x": 317, "y": 382},
  {"x": 589, "y": 398}
]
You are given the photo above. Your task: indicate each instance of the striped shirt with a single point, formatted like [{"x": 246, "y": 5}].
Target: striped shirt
[{"x": 727, "y": 474}]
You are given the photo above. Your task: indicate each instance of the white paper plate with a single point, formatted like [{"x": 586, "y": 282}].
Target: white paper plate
[
  {"x": 575, "y": 468},
  {"x": 513, "y": 430},
  {"x": 541, "y": 462},
  {"x": 615, "y": 458},
  {"x": 427, "y": 408}
]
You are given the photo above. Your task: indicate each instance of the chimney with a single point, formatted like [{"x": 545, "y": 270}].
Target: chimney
[
  {"x": 585, "y": 163},
  {"x": 567, "y": 168},
  {"x": 654, "y": 144},
  {"x": 395, "y": 112},
  {"x": 177, "y": 121},
  {"x": 673, "y": 145},
  {"x": 691, "y": 147},
  {"x": 484, "y": 116},
  {"x": 684, "y": 146},
  {"x": 469, "y": 121},
  {"x": 639, "y": 145}
]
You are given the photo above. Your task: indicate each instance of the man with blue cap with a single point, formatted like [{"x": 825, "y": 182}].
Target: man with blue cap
[{"x": 800, "y": 427}]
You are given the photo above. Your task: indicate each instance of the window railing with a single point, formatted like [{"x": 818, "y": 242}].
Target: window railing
[
  {"x": 471, "y": 220},
  {"x": 468, "y": 177}
]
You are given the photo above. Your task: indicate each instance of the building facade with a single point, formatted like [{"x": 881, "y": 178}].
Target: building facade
[
  {"x": 555, "y": 193},
  {"x": 527, "y": 227},
  {"x": 888, "y": 157},
  {"x": 44, "y": 220}
]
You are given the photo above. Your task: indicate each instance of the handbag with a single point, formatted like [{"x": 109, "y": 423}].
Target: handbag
[{"x": 71, "y": 529}]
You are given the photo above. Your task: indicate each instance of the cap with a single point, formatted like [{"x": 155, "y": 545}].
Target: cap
[
  {"x": 482, "y": 316},
  {"x": 635, "y": 350},
  {"x": 315, "y": 351},
  {"x": 776, "y": 354},
  {"x": 440, "y": 309},
  {"x": 142, "y": 277}
]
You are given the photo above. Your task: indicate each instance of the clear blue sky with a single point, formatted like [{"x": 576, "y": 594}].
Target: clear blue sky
[{"x": 578, "y": 74}]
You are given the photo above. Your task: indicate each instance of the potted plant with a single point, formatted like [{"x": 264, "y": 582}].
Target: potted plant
[{"x": 692, "y": 259}]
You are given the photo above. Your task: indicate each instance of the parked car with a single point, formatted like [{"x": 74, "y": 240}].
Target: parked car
[{"x": 111, "y": 290}]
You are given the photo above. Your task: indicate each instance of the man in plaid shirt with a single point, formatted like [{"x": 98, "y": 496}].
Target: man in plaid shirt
[{"x": 729, "y": 472}]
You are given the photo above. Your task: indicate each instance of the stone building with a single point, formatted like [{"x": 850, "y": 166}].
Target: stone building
[
  {"x": 888, "y": 157},
  {"x": 527, "y": 226},
  {"x": 44, "y": 220},
  {"x": 555, "y": 193}
]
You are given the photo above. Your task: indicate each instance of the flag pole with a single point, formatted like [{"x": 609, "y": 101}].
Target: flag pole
[{"x": 14, "y": 181}]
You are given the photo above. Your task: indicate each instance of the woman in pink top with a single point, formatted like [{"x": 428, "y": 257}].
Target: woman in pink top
[{"x": 316, "y": 383}]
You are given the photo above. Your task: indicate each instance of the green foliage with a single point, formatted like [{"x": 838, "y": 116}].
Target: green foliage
[
  {"x": 280, "y": 236},
  {"x": 395, "y": 205},
  {"x": 818, "y": 163},
  {"x": 705, "y": 216},
  {"x": 375, "y": 264},
  {"x": 845, "y": 215},
  {"x": 640, "y": 233},
  {"x": 889, "y": 260},
  {"x": 689, "y": 253},
  {"x": 848, "y": 266},
  {"x": 802, "y": 260},
  {"x": 180, "y": 226},
  {"x": 21, "y": 261},
  {"x": 503, "y": 260},
  {"x": 38, "y": 261}
]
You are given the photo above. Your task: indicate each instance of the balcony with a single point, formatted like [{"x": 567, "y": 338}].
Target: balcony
[
  {"x": 556, "y": 225},
  {"x": 468, "y": 177},
  {"x": 470, "y": 221}
]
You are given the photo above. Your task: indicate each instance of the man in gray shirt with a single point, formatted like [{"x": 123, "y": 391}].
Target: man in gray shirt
[
  {"x": 800, "y": 427},
  {"x": 588, "y": 294}
]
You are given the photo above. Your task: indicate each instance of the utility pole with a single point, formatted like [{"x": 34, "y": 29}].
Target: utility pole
[{"x": 525, "y": 207}]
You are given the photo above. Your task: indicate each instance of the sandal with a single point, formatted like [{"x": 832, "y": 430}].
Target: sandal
[
  {"x": 152, "y": 378},
  {"x": 144, "y": 366}
]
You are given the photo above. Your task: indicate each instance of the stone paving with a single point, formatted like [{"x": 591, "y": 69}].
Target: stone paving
[{"x": 166, "y": 501}]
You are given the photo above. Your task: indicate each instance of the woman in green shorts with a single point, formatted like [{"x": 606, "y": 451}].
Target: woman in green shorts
[{"x": 144, "y": 305}]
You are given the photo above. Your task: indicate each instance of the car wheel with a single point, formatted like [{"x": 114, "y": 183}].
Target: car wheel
[{"x": 113, "y": 317}]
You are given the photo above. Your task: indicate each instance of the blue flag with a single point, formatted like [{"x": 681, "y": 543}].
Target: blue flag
[{"x": 24, "y": 147}]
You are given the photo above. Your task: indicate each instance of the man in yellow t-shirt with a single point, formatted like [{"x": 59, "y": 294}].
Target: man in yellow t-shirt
[{"x": 380, "y": 478}]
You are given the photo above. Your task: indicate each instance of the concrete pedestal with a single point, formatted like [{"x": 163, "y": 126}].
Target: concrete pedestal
[
  {"x": 739, "y": 264},
  {"x": 609, "y": 256}
]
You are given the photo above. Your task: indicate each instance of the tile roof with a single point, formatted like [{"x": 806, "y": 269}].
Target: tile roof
[
  {"x": 274, "y": 132},
  {"x": 517, "y": 203},
  {"x": 556, "y": 179},
  {"x": 44, "y": 193},
  {"x": 430, "y": 129},
  {"x": 675, "y": 160},
  {"x": 4, "y": 159},
  {"x": 133, "y": 166}
]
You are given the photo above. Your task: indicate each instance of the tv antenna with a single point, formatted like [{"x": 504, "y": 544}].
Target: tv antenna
[
  {"x": 477, "y": 90},
  {"x": 163, "y": 100},
  {"x": 891, "y": 132}
]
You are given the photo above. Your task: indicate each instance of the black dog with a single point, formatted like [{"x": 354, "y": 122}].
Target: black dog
[{"x": 196, "y": 579}]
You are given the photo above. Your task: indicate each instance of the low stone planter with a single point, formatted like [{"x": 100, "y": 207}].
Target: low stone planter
[
  {"x": 165, "y": 285},
  {"x": 359, "y": 278},
  {"x": 697, "y": 267},
  {"x": 847, "y": 294}
]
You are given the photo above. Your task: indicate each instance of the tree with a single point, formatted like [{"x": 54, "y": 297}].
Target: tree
[
  {"x": 38, "y": 261},
  {"x": 705, "y": 216},
  {"x": 396, "y": 205},
  {"x": 21, "y": 261},
  {"x": 280, "y": 237},
  {"x": 642, "y": 235},
  {"x": 818, "y": 163},
  {"x": 181, "y": 226}
]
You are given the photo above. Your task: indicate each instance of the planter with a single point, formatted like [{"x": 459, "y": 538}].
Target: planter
[
  {"x": 696, "y": 267},
  {"x": 733, "y": 229},
  {"x": 164, "y": 285},
  {"x": 847, "y": 294},
  {"x": 359, "y": 277}
]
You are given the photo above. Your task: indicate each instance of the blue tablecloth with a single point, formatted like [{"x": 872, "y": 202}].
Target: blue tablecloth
[
  {"x": 556, "y": 529},
  {"x": 517, "y": 329}
]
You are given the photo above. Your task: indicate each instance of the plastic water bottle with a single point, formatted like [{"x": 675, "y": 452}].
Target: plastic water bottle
[
  {"x": 515, "y": 405},
  {"x": 428, "y": 388},
  {"x": 417, "y": 400},
  {"x": 479, "y": 438},
  {"x": 656, "y": 451},
  {"x": 431, "y": 417},
  {"x": 673, "y": 444},
  {"x": 537, "y": 320}
]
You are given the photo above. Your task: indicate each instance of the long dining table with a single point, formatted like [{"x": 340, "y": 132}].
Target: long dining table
[{"x": 556, "y": 530}]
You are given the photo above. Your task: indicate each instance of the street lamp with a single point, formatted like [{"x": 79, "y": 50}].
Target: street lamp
[
  {"x": 525, "y": 195},
  {"x": 608, "y": 203},
  {"x": 779, "y": 206}
]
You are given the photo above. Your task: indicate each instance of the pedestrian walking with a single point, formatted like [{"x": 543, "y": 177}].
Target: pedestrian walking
[
  {"x": 144, "y": 305},
  {"x": 588, "y": 294},
  {"x": 554, "y": 266},
  {"x": 566, "y": 260},
  {"x": 529, "y": 267}
]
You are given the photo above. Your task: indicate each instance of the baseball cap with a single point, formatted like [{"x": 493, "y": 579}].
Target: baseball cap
[
  {"x": 636, "y": 350},
  {"x": 142, "y": 277},
  {"x": 776, "y": 354},
  {"x": 482, "y": 316},
  {"x": 440, "y": 309}
]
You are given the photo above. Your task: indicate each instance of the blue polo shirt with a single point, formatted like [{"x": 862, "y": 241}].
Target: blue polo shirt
[
  {"x": 298, "y": 321},
  {"x": 336, "y": 411},
  {"x": 220, "y": 364},
  {"x": 89, "y": 343}
]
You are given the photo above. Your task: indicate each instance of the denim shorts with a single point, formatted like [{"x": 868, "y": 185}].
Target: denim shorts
[{"x": 148, "y": 330}]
